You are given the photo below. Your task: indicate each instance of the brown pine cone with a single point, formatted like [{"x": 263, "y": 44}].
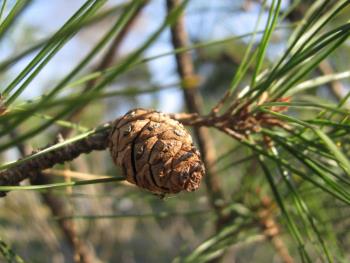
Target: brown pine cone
[{"x": 156, "y": 152}]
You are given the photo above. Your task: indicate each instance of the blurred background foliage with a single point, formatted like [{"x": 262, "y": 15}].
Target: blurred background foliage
[{"x": 120, "y": 223}]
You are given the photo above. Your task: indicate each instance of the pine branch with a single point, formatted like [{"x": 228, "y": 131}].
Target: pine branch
[
  {"x": 51, "y": 155},
  {"x": 237, "y": 125}
]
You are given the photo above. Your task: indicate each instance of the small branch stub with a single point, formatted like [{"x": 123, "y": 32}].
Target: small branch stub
[{"x": 155, "y": 152}]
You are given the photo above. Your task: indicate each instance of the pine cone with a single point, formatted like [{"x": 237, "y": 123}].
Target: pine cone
[{"x": 155, "y": 152}]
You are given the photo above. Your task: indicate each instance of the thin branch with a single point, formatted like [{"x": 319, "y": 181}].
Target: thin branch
[
  {"x": 194, "y": 103},
  {"x": 72, "y": 174},
  {"x": 272, "y": 231},
  {"x": 336, "y": 87},
  {"x": 52, "y": 155}
]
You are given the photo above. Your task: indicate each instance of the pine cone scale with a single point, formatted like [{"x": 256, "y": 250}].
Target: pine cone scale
[
  {"x": 156, "y": 180},
  {"x": 125, "y": 157},
  {"x": 148, "y": 146},
  {"x": 128, "y": 133},
  {"x": 143, "y": 125},
  {"x": 133, "y": 115}
]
